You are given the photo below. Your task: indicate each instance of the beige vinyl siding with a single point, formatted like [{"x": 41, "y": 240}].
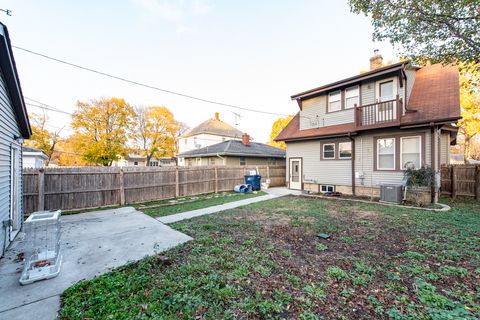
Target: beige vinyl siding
[
  {"x": 410, "y": 81},
  {"x": 8, "y": 130},
  {"x": 368, "y": 93},
  {"x": 445, "y": 148},
  {"x": 314, "y": 114},
  {"x": 235, "y": 161},
  {"x": 364, "y": 148},
  {"x": 336, "y": 172}
]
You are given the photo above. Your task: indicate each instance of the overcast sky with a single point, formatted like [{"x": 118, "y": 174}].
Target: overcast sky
[{"x": 248, "y": 53}]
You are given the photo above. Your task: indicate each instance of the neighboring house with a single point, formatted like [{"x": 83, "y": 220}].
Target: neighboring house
[
  {"x": 235, "y": 153},
  {"x": 138, "y": 160},
  {"x": 355, "y": 134},
  {"x": 33, "y": 157},
  {"x": 206, "y": 134},
  {"x": 457, "y": 158},
  {"x": 14, "y": 127}
]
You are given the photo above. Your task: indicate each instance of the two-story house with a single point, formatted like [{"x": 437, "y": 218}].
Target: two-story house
[
  {"x": 355, "y": 134},
  {"x": 207, "y": 133}
]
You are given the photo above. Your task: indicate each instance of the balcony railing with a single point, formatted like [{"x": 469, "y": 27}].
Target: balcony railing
[{"x": 379, "y": 114}]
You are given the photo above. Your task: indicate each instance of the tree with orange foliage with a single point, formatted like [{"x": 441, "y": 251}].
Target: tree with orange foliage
[
  {"x": 101, "y": 129},
  {"x": 155, "y": 132},
  {"x": 277, "y": 127}
]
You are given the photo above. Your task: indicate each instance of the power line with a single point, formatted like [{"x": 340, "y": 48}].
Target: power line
[
  {"x": 184, "y": 95},
  {"x": 46, "y": 107}
]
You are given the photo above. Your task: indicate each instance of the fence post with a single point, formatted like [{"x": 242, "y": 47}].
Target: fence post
[
  {"x": 268, "y": 172},
  {"x": 454, "y": 182},
  {"x": 477, "y": 183},
  {"x": 216, "y": 180},
  {"x": 41, "y": 190},
  {"x": 177, "y": 183},
  {"x": 122, "y": 188}
]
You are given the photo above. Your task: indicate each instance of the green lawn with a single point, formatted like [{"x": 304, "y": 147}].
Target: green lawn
[
  {"x": 168, "y": 207},
  {"x": 266, "y": 261},
  {"x": 171, "y": 206}
]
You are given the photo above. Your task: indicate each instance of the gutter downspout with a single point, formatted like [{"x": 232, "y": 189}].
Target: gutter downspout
[
  {"x": 432, "y": 160},
  {"x": 223, "y": 159},
  {"x": 353, "y": 162},
  {"x": 405, "y": 98}
]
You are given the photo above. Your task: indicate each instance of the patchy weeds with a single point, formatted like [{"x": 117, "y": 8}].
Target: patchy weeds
[{"x": 266, "y": 261}]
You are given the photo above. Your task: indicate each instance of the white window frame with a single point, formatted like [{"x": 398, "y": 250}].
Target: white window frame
[
  {"x": 357, "y": 87},
  {"x": 394, "y": 154},
  {"x": 394, "y": 87},
  {"x": 323, "y": 151},
  {"x": 334, "y": 93},
  {"x": 351, "y": 151},
  {"x": 401, "y": 149},
  {"x": 327, "y": 186},
  {"x": 244, "y": 161}
]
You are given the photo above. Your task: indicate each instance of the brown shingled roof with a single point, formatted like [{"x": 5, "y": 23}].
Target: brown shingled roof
[
  {"x": 292, "y": 130},
  {"x": 435, "y": 96}
]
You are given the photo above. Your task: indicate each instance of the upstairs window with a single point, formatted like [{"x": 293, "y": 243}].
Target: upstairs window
[
  {"x": 243, "y": 162},
  {"x": 352, "y": 97},
  {"x": 334, "y": 101},
  {"x": 329, "y": 151},
  {"x": 411, "y": 152}
]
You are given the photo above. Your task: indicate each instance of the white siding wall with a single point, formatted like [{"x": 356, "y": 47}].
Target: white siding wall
[
  {"x": 200, "y": 141},
  {"x": 337, "y": 172},
  {"x": 8, "y": 129},
  {"x": 314, "y": 115},
  {"x": 364, "y": 148}
]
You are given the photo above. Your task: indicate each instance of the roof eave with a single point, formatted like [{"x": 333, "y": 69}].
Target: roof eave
[
  {"x": 7, "y": 64},
  {"x": 351, "y": 80}
]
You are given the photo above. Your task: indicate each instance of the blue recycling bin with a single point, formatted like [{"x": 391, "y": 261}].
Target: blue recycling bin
[{"x": 254, "y": 181}]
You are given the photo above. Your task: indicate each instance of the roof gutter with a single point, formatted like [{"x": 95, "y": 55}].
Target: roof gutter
[
  {"x": 346, "y": 134},
  {"x": 419, "y": 124},
  {"x": 344, "y": 82}
]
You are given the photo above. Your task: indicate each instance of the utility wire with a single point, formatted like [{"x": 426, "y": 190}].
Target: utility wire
[
  {"x": 147, "y": 85},
  {"x": 46, "y": 107}
]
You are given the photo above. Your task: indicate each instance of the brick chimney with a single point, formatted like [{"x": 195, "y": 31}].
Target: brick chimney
[
  {"x": 376, "y": 61},
  {"x": 217, "y": 116},
  {"x": 246, "y": 139}
]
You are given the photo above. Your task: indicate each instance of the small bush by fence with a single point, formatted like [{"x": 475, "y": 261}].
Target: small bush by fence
[
  {"x": 90, "y": 187},
  {"x": 461, "y": 180}
]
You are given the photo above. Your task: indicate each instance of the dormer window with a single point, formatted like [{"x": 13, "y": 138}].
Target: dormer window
[
  {"x": 334, "y": 101},
  {"x": 352, "y": 97}
]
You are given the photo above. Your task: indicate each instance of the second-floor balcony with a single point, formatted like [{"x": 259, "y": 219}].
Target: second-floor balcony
[{"x": 378, "y": 115}]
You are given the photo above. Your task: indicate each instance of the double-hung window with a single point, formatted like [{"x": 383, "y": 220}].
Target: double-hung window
[
  {"x": 386, "y": 154},
  {"x": 351, "y": 97},
  {"x": 344, "y": 150},
  {"x": 328, "y": 151},
  {"x": 334, "y": 101},
  {"x": 411, "y": 152}
]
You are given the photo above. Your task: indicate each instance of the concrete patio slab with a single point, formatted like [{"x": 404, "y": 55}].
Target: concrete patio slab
[
  {"x": 93, "y": 243},
  {"x": 272, "y": 194}
]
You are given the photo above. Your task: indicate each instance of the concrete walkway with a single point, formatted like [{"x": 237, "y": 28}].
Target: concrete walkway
[
  {"x": 93, "y": 243},
  {"x": 272, "y": 194}
]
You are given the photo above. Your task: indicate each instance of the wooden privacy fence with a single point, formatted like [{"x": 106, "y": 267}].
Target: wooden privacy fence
[
  {"x": 90, "y": 187},
  {"x": 461, "y": 180}
]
